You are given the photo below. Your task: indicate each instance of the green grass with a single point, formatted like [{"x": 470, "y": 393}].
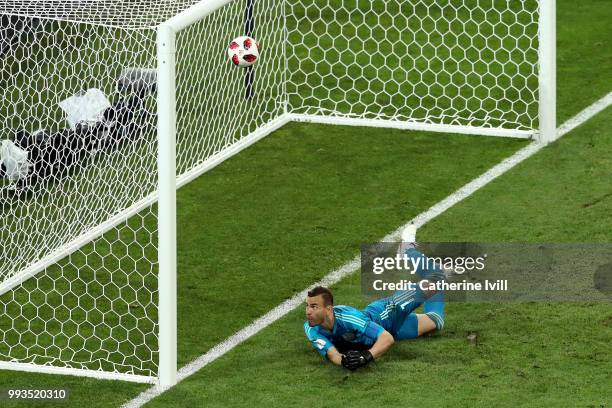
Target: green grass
[
  {"x": 527, "y": 354},
  {"x": 219, "y": 223},
  {"x": 305, "y": 211},
  {"x": 272, "y": 220}
]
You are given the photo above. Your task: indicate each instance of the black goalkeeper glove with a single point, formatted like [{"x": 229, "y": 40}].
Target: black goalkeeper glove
[{"x": 354, "y": 359}]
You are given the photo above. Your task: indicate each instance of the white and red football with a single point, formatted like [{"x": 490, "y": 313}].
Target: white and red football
[{"x": 243, "y": 51}]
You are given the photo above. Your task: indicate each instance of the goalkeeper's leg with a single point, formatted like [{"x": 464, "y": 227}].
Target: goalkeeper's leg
[
  {"x": 408, "y": 324},
  {"x": 393, "y": 311},
  {"x": 424, "y": 268},
  {"x": 411, "y": 325}
]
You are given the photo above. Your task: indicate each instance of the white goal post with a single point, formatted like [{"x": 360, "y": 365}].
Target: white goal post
[{"x": 108, "y": 106}]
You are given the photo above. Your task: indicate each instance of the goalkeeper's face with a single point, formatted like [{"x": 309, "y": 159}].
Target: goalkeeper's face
[{"x": 316, "y": 311}]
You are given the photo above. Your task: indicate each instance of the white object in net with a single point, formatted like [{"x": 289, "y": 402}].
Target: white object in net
[{"x": 85, "y": 107}]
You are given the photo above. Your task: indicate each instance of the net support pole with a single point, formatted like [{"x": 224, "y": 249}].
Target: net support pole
[
  {"x": 249, "y": 26},
  {"x": 547, "y": 57},
  {"x": 194, "y": 14},
  {"x": 166, "y": 128}
]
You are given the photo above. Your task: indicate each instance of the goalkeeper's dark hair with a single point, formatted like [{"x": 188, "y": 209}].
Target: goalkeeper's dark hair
[{"x": 328, "y": 298}]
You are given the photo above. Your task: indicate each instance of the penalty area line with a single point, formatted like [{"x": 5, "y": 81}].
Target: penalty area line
[{"x": 288, "y": 305}]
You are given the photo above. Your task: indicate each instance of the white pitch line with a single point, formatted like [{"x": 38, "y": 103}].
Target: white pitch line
[
  {"x": 585, "y": 115},
  {"x": 288, "y": 305},
  {"x": 510, "y": 162}
]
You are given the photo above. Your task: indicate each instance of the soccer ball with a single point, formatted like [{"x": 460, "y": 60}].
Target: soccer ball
[{"x": 243, "y": 51}]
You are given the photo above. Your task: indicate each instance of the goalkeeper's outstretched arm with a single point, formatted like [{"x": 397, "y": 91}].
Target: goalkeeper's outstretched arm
[
  {"x": 355, "y": 359},
  {"x": 382, "y": 345},
  {"x": 334, "y": 356}
]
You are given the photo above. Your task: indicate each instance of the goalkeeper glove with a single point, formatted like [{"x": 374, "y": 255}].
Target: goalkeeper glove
[{"x": 354, "y": 359}]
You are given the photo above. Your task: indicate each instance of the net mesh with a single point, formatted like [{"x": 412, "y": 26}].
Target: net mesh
[
  {"x": 213, "y": 110},
  {"x": 96, "y": 308},
  {"x": 457, "y": 62},
  {"x": 128, "y": 14}
]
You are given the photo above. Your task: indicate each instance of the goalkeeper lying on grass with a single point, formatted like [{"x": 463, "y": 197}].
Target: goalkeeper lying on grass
[{"x": 354, "y": 338}]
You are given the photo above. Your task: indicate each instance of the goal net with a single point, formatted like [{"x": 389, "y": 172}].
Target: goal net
[
  {"x": 96, "y": 96},
  {"x": 468, "y": 64}
]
